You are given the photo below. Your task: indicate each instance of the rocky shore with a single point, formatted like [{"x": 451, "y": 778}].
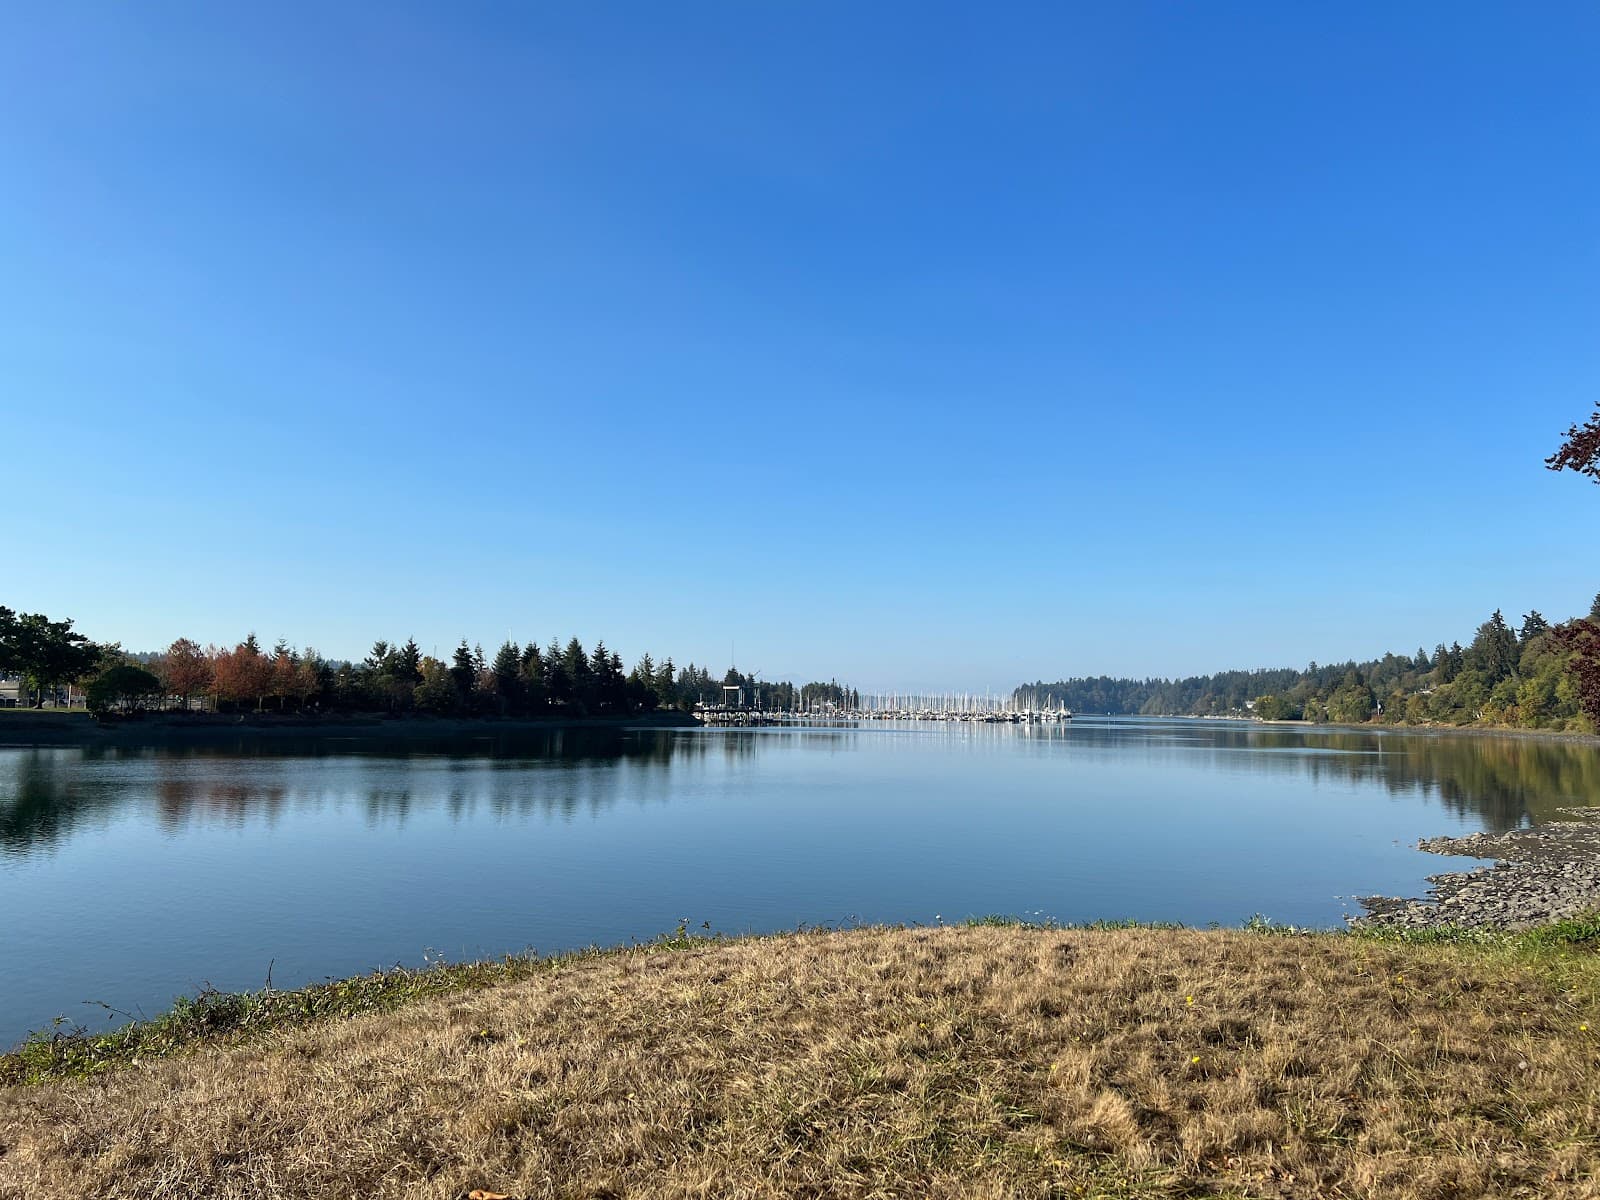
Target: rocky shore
[{"x": 1540, "y": 874}]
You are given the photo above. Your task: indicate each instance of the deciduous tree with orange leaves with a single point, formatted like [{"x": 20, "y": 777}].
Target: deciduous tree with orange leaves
[
  {"x": 243, "y": 673},
  {"x": 185, "y": 671}
]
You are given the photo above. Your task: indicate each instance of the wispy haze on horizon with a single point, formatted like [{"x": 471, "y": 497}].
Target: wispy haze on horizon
[{"x": 921, "y": 345}]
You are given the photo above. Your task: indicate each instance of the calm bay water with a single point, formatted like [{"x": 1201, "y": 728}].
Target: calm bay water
[{"x": 131, "y": 876}]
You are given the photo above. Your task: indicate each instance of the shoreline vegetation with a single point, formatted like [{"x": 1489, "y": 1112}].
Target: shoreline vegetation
[
  {"x": 994, "y": 1058},
  {"x": 45, "y": 663},
  {"x": 1538, "y": 676}
]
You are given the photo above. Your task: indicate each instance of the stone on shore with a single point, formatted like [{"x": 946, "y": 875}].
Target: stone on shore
[{"x": 1541, "y": 874}]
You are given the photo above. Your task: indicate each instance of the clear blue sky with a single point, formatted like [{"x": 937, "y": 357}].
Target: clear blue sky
[{"x": 921, "y": 344}]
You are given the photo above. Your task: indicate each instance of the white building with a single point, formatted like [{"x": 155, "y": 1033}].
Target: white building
[
  {"x": 14, "y": 693},
  {"x": 10, "y": 690}
]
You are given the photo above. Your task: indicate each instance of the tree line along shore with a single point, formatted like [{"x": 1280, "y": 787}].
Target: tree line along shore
[
  {"x": 1537, "y": 676},
  {"x": 48, "y": 658}
]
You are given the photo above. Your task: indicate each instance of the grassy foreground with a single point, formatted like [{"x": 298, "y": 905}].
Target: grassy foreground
[{"x": 979, "y": 1061}]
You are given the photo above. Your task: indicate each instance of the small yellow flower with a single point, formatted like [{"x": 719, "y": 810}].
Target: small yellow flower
[
  {"x": 1583, "y": 1029},
  {"x": 1195, "y": 1059},
  {"x": 1188, "y": 999}
]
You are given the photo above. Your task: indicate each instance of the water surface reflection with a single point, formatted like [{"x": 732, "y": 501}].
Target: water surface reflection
[
  {"x": 45, "y": 794},
  {"x": 130, "y": 875}
]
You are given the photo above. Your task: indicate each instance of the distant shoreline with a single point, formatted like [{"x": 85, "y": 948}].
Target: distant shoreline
[
  {"x": 27, "y": 728},
  {"x": 24, "y": 729}
]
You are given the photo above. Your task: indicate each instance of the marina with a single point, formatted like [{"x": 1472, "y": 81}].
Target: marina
[{"x": 969, "y": 709}]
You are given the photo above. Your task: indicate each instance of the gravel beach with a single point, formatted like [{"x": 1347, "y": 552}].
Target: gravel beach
[{"x": 1540, "y": 874}]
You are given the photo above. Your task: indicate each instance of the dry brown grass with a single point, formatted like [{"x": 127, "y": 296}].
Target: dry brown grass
[{"x": 936, "y": 1062}]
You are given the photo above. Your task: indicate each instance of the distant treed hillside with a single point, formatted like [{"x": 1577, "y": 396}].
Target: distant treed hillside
[
  {"x": 1536, "y": 676},
  {"x": 1208, "y": 695}
]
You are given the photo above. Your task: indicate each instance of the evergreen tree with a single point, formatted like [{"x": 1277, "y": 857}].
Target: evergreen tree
[
  {"x": 535, "y": 694},
  {"x": 558, "y": 681},
  {"x": 462, "y": 670},
  {"x": 1493, "y": 653},
  {"x": 1533, "y": 624},
  {"x": 508, "y": 677},
  {"x": 532, "y": 664},
  {"x": 577, "y": 665},
  {"x": 408, "y": 664},
  {"x": 600, "y": 661}
]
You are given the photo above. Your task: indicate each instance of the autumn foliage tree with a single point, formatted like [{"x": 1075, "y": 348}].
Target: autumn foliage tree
[
  {"x": 285, "y": 673},
  {"x": 185, "y": 671},
  {"x": 1581, "y": 639},
  {"x": 243, "y": 673},
  {"x": 1581, "y": 451}
]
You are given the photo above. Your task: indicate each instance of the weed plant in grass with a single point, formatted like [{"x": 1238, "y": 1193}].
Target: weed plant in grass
[{"x": 989, "y": 1060}]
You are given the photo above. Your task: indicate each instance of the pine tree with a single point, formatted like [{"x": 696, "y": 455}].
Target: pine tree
[
  {"x": 558, "y": 680},
  {"x": 408, "y": 666},
  {"x": 462, "y": 671},
  {"x": 532, "y": 663},
  {"x": 1445, "y": 665},
  {"x": 508, "y": 677},
  {"x": 1494, "y": 650}
]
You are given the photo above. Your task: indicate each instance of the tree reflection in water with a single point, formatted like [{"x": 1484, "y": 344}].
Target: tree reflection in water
[{"x": 47, "y": 794}]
